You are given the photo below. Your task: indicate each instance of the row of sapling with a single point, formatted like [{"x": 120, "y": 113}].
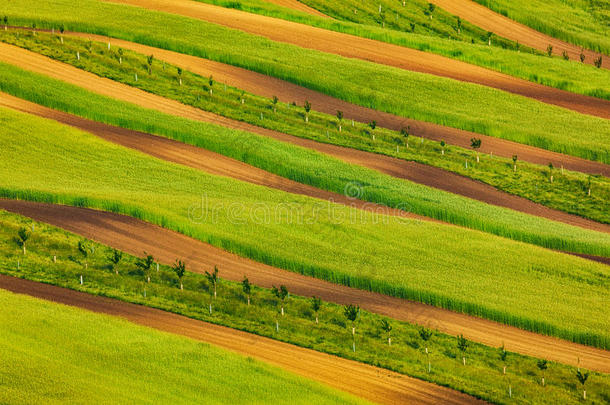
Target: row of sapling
[{"x": 350, "y": 311}]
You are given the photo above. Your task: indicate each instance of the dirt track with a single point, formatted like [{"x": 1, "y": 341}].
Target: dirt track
[
  {"x": 505, "y": 27},
  {"x": 380, "y": 52},
  {"x": 218, "y": 164},
  {"x": 372, "y": 383},
  {"x": 134, "y": 237}
]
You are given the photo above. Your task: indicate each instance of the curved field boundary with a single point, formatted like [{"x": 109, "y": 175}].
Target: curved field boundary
[
  {"x": 218, "y": 164},
  {"x": 268, "y": 86},
  {"x": 134, "y": 236},
  {"x": 298, "y": 6},
  {"x": 489, "y": 20},
  {"x": 375, "y": 51},
  {"x": 362, "y": 380}
]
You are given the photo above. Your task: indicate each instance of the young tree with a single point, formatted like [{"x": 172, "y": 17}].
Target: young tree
[
  {"x": 475, "y": 143},
  {"x": 514, "y": 163},
  {"x": 549, "y": 50},
  {"x": 150, "y": 60},
  {"x": 405, "y": 133},
  {"x": 387, "y": 328},
  {"x": 551, "y": 167},
  {"x": 565, "y": 55},
  {"x": 582, "y": 56},
  {"x": 340, "y": 118},
  {"x": 459, "y": 25},
  {"x": 442, "y": 147},
  {"x": 489, "y": 35},
  {"x": 542, "y": 365},
  {"x": 431, "y": 8},
  {"x": 412, "y": 27},
  {"x": 62, "y": 29},
  {"x": 211, "y": 83},
  {"x": 598, "y": 62},
  {"x": 307, "y": 107},
  {"x": 5, "y": 23},
  {"x": 281, "y": 293},
  {"x": 425, "y": 335},
  {"x": 120, "y": 51},
  {"x": 115, "y": 258},
  {"x": 503, "y": 354},
  {"x": 145, "y": 264},
  {"x": 22, "y": 237},
  {"x": 180, "y": 269},
  {"x": 462, "y": 345},
  {"x": 316, "y": 304},
  {"x": 373, "y": 125},
  {"x": 246, "y": 288},
  {"x": 274, "y": 100},
  {"x": 213, "y": 279},
  {"x": 582, "y": 379},
  {"x": 85, "y": 251},
  {"x": 351, "y": 313},
  {"x": 179, "y": 71},
  {"x": 589, "y": 186}
]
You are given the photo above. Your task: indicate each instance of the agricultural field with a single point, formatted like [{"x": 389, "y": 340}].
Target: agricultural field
[
  {"x": 347, "y": 246},
  {"x": 55, "y": 354},
  {"x": 430, "y": 98},
  {"x": 481, "y": 377},
  {"x": 581, "y": 22},
  {"x": 263, "y": 201}
]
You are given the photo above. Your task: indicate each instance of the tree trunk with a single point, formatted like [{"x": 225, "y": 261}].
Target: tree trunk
[
  {"x": 210, "y": 308},
  {"x": 429, "y": 366},
  {"x": 543, "y": 381},
  {"x": 248, "y": 300},
  {"x": 510, "y": 391},
  {"x": 442, "y": 151},
  {"x": 54, "y": 259},
  {"x": 354, "y": 345},
  {"x": 317, "y": 318},
  {"x": 148, "y": 277},
  {"x": 464, "y": 360},
  {"x": 584, "y": 394},
  {"x": 181, "y": 286},
  {"x": 214, "y": 290},
  {"x": 339, "y": 127},
  {"x": 23, "y": 248},
  {"x": 589, "y": 192},
  {"x": 504, "y": 370},
  {"x": 389, "y": 341},
  {"x": 120, "y": 60},
  {"x": 62, "y": 40},
  {"x": 282, "y": 310},
  {"x": 551, "y": 179},
  {"x": 277, "y": 325},
  {"x": 306, "y": 118},
  {"x": 477, "y": 158},
  {"x": 81, "y": 279},
  {"x": 116, "y": 270},
  {"x": 514, "y": 168}
]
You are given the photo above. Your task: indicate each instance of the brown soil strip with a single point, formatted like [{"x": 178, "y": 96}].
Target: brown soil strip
[
  {"x": 375, "y": 51},
  {"x": 368, "y": 382},
  {"x": 297, "y": 5},
  {"x": 505, "y": 27},
  {"x": 395, "y": 167},
  {"x": 135, "y": 237}
]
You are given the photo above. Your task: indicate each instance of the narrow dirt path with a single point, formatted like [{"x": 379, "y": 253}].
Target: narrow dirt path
[
  {"x": 412, "y": 171},
  {"x": 297, "y": 5},
  {"x": 368, "y": 382},
  {"x": 134, "y": 237},
  {"x": 287, "y": 92},
  {"x": 489, "y": 20},
  {"x": 375, "y": 51}
]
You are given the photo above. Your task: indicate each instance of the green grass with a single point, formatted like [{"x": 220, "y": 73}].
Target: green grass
[
  {"x": 568, "y": 192},
  {"x": 482, "y": 377},
  {"x": 55, "y": 354},
  {"x": 419, "y": 96},
  {"x": 581, "y": 22},
  {"x": 306, "y": 166},
  {"x": 439, "y": 36},
  {"x": 450, "y": 267}
]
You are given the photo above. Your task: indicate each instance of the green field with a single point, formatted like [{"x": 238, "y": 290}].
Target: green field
[
  {"x": 451, "y": 267},
  {"x": 581, "y": 22},
  {"x": 481, "y": 378},
  {"x": 568, "y": 192},
  {"x": 430, "y": 98},
  {"x": 306, "y": 166},
  {"x": 54, "y": 354},
  {"x": 439, "y": 36}
]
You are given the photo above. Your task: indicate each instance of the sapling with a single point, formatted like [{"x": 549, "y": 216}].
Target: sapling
[
  {"x": 307, "y": 107},
  {"x": 431, "y": 8},
  {"x": 145, "y": 265},
  {"x": 120, "y": 51},
  {"x": 582, "y": 57},
  {"x": 373, "y": 125},
  {"x": 85, "y": 251},
  {"x": 282, "y": 294},
  {"x": 551, "y": 167},
  {"x": 387, "y": 328},
  {"x": 405, "y": 133},
  {"x": 425, "y": 335},
  {"x": 62, "y": 28},
  {"x": 22, "y": 237},
  {"x": 246, "y": 288},
  {"x": 582, "y": 379},
  {"x": 351, "y": 313},
  {"x": 213, "y": 279},
  {"x": 542, "y": 365},
  {"x": 149, "y": 61},
  {"x": 180, "y": 269},
  {"x": 274, "y": 100},
  {"x": 475, "y": 143},
  {"x": 316, "y": 304},
  {"x": 503, "y": 354},
  {"x": 442, "y": 147},
  {"x": 514, "y": 163},
  {"x": 179, "y": 71},
  {"x": 598, "y": 62},
  {"x": 459, "y": 25},
  {"x": 549, "y": 50},
  {"x": 5, "y": 23},
  {"x": 489, "y": 35},
  {"x": 115, "y": 258},
  {"x": 565, "y": 55},
  {"x": 462, "y": 345},
  {"x": 211, "y": 83}
]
